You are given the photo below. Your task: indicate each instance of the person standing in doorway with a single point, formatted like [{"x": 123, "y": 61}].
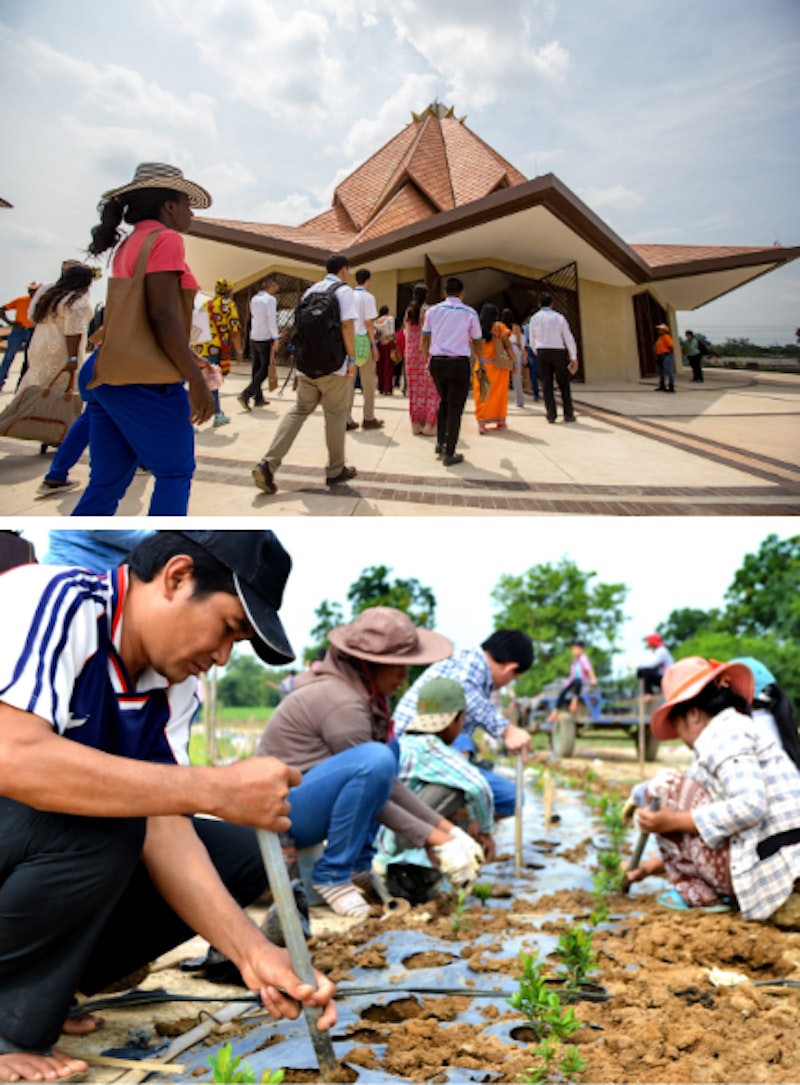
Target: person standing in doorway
[
  {"x": 451, "y": 335},
  {"x": 263, "y": 342},
  {"x": 554, "y": 346}
]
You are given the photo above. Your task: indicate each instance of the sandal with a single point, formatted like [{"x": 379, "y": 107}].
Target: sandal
[
  {"x": 345, "y": 900},
  {"x": 671, "y": 898}
]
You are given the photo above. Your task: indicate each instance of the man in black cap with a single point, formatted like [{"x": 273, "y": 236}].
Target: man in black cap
[{"x": 101, "y": 870}]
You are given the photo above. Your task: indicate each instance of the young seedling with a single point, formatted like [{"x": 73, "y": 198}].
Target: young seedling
[
  {"x": 547, "y": 1052},
  {"x": 458, "y": 919},
  {"x": 483, "y": 891},
  {"x": 543, "y": 1008},
  {"x": 571, "y": 1063},
  {"x": 576, "y": 956},
  {"x": 609, "y": 878},
  {"x": 227, "y": 1067}
]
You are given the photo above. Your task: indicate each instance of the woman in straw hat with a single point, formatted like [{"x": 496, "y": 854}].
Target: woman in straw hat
[
  {"x": 146, "y": 416},
  {"x": 336, "y": 728},
  {"x": 729, "y": 827}
]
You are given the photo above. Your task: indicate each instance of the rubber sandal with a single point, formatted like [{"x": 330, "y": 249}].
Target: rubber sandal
[
  {"x": 345, "y": 900},
  {"x": 671, "y": 898}
]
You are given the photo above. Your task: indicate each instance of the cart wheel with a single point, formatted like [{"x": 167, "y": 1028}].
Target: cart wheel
[
  {"x": 563, "y": 735},
  {"x": 651, "y": 743}
]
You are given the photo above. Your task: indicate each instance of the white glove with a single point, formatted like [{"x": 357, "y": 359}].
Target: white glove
[{"x": 460, "y": 858}]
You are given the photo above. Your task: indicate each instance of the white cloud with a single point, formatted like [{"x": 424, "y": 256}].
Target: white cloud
[
  {"x": 370, "y": 132},
  {"x": 611, "y": 198},
  {"x": 12, "y": 233},
  {"x": 118, "y": 91},
  {"x": 289, "y": 211}
]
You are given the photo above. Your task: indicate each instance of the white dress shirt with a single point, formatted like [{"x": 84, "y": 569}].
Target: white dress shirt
[
  {"x": 264, "y": 313},
  {"x": 550, "y": 330}
]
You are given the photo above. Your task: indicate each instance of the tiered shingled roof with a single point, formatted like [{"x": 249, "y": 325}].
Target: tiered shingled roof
[{"x": 434, "y": 164}]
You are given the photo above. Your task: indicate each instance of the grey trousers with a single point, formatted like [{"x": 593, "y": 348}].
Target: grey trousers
[
  {"x": 369, "y": 383},
  {"x": 444, "y": 800}
]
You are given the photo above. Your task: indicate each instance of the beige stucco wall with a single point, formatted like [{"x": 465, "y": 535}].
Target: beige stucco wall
[{"x": 609, "y": 333}]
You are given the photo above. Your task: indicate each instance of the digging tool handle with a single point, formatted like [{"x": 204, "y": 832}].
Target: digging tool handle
[
  {"x": 283, "y": 897},
  {"x": 638, "y": 851},
  {"x": 518, "y": 800}
]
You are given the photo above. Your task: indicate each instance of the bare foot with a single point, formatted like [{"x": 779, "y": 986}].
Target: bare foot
[
  {"x": 82, "y": 1024},
  {"x": 58, "y": 1065},
  {"x": 573, "y": 704}
]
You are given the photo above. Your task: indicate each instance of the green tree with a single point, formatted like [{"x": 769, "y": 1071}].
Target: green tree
[
  {"x": 684, "y": 622},
  {"x": 764, "y": 596},
  {"x": 328, "y": 615},
  {"x": 375, "y": 588},
  {"x": 555, "y": 604},
  {"x": 245, "y": 682}
]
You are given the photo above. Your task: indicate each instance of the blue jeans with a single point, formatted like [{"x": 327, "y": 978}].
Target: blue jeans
[
  {"x": 139, "y": 424},
  {"x": 18, "y": 339},
  {"x": 533, "y": 365},
  {"x": 338, "y": 801},
  {"x": 503, "y": 790},
  {"x": 77, "y": 439}
]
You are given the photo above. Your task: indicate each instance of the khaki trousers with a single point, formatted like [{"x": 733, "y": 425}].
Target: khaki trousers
[
  {"x": 369, "y": 384},
  {"x": 335, "y": 394}
]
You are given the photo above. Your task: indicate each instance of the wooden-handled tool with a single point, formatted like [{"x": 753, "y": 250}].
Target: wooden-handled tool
[
  {"x": 283, "y": 898},
  {"x": 636, "y": 858}
]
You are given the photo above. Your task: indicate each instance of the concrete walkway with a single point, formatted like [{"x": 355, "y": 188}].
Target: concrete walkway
[{"x": 728, "y": 447}]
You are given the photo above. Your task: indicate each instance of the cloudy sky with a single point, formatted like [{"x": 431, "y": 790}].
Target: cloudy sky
[
  {"x": 666, "y": 563},
  {"x": 676, "y": 121}
]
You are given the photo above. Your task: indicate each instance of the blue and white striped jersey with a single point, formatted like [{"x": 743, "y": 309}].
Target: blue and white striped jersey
[{"x": 60, "y": 661}]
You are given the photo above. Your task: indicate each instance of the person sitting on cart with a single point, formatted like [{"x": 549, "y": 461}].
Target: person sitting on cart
[
  {"x": 581, "y": 674},
  {"x": 658, "y": 659}
]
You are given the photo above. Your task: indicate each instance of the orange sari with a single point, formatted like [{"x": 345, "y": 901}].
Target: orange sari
[{"x": 493, "y": 409}]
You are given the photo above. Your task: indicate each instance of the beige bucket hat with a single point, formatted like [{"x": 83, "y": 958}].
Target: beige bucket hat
[{"x": 386, "y": 635}]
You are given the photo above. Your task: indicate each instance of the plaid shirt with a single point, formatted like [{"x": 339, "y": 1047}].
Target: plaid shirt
[
  {"x": 470, "y": 668},
  {"x": 425, "y": 759},
  {"x": 755, "y": 792}
]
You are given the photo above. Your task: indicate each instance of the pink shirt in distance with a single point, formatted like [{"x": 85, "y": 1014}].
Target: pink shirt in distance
[{"x": 167, "y": 254}]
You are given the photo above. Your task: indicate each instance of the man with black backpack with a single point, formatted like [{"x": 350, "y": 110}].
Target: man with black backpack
[{"x": 324, "y": 349}]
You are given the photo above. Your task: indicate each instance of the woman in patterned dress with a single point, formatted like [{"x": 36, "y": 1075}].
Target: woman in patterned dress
[
  {"x": 423, "y": 399},
  {"x": 730, "y": 826}
]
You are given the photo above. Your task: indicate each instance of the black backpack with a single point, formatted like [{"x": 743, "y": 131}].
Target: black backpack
[
  {"x": 317, "y": 338},
  {"x": 703, "y": 343}
]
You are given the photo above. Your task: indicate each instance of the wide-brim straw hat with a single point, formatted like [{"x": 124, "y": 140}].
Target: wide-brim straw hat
[
  {"x": 161, "y": 175},
  {"x": 386, "y": 635},
  {"x": 684, "y": 680}
]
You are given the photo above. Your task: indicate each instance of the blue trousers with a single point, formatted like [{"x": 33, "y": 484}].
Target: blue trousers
[
  {"x": 533, "y": 365},
  {"x": 18, "y": 339},
  {"x": 338, "y": 801},
  {"x": 139, "y": 424},
  {"x": 503, "y": 790}
]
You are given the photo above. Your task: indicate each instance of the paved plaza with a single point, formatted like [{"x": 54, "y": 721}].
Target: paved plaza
[{"x": 728, "y": 447}]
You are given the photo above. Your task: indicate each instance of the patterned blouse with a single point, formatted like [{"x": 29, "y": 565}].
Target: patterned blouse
[{"x": 755, "y": 792}]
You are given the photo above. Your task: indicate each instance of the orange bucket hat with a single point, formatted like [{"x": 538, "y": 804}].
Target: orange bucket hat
[{"x": 684, "y": 680}]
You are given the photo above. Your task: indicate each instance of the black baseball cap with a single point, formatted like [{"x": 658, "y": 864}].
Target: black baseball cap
[{"x": 260, "y": 568}]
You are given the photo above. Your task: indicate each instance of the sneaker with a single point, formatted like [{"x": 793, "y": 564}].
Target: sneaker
[
  {"x": 344, "y": 476},
  {"x": 352, "y": 425},
  {"x": 244, "y": 402},
  {"x": 221, "y": 420},
  {"x": 450, "y": 460},
  {"x": 373, "y": 423},
  {"x": 50, "y": 486},
  {"x": 262, "y": 476}
]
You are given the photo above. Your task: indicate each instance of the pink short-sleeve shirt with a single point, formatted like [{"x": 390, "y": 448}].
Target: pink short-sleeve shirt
[{"x": 167, "y": 254}]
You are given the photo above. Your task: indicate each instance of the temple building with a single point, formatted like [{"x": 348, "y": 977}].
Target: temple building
[{"x": 437, "y": 200}]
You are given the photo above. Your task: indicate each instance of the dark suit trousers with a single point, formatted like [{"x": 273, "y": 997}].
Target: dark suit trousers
[
  {"x": 553, "y": 364},
  {"x": 451, "y": 377}
]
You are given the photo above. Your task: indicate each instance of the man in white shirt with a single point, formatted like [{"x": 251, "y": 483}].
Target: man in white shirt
[
  {"x": 333, "y": 390},
  {"x": 263, "y": 341},
  {"x": 366, "y": 351},
  {"x": 553, "y": 343},
  {"x": 451, "y": 333}
]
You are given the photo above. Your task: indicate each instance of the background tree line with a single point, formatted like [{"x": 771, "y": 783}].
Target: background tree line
[{"x": 557, "y": 602}]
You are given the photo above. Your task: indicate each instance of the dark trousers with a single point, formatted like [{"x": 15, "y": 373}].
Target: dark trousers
[
  {"x": 78, "y": 909},
  {"x": 446, "y": 801},
  {"x": 451, "y": 377},
  {"x": 696, "y": 362},
  {"x": 570, "y": 690},
  {"x": 261, "y": 350},
  {"x": 651, "y": 676},
  {"x": 553, "y": 364}
]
